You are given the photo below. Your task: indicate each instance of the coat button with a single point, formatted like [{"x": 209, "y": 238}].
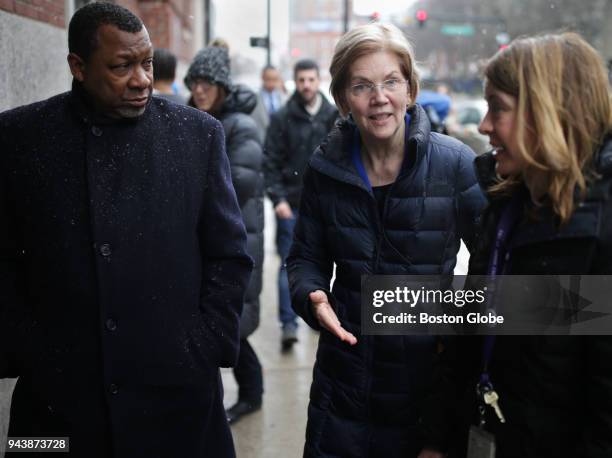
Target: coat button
[
  {"x": 111, "y": 324},
  {"x": 96, "y": 131},
  {"x": 114, "y": 389},
  {"x": 105, "y": 249}
]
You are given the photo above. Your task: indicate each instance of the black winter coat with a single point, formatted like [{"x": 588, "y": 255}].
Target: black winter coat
[
  {"x": 367, "y": 400},
  {"x": 123, "y": 267},
  {"x": 555, "y": 391},
  {"x": 244, "y": 149},
  {"x": 292, "y": 137}
]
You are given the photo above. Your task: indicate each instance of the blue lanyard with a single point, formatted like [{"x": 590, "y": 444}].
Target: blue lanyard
[
  {"x": 356, "y": 152},
  {"x": 498, "y": 262}
]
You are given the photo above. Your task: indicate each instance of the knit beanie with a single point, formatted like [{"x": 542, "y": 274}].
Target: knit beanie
[{"x": 211, "y": 64}]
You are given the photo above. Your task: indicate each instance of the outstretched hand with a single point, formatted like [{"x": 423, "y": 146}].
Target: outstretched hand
[{"x": 327, "y": 318}]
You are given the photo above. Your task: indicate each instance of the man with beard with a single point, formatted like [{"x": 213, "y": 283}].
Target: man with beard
[
  {"x": 123, "y": 259},
  {"x": 294, "y": 133}
]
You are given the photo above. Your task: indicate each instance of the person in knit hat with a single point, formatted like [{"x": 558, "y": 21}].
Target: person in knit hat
[
  {"x": 212, "y": 91},
  {"x": 208, "y": 79}
]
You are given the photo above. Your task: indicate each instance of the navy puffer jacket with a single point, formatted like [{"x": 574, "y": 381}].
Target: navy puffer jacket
[{"x": 367, "y": 400}]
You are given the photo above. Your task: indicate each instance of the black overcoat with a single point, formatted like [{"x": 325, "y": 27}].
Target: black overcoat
[{"x": 122, "y": 274}]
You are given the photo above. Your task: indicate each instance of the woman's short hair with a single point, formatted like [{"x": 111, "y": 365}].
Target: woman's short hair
[
  {"x": 367, "y": 39},
  {"x": 564, "y": 112}
]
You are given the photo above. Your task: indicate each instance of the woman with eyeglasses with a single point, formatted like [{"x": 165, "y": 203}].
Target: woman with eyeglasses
[
  {"x": 213, "y": 92},
  {"x": 382, "y": 195}
]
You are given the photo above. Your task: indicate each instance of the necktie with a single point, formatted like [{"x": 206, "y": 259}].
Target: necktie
[{"x": 272, "y": 103}]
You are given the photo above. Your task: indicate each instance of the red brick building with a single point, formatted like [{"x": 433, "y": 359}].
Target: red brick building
[
  {"x": 49, "y": 11},
  {"x": 33, "y": 41},
  {"x": 171, "y": 23}
]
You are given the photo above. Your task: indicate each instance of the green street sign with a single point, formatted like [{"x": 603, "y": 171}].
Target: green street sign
[{"x": 464, "y": 30}]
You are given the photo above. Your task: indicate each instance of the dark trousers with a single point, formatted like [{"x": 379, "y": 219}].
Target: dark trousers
[
  {"x": 284, "y": 237},
  {"x": 248, "y": 374}
]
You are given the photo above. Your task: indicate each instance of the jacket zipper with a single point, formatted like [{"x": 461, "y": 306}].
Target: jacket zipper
[{"x": 370, "y": 339}]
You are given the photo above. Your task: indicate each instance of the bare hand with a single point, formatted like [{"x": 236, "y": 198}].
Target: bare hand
[
  {"x": 283, "y": 210},
  {"x": 328, "y": 319},
  {"x": 429, "y": 453}
]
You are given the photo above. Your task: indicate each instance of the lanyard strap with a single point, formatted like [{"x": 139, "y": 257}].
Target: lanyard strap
[
  {"x": 498, "y": 262},
  {"x": 509, "y": 217}
]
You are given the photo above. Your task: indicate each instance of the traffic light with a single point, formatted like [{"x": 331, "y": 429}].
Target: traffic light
[{"x": 421, "y": 17}]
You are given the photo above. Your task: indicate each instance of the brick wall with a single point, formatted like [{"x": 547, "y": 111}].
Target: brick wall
[
  {"x": 170, "y": 24},
  {"x": 155, "y": 15},
  {"x": 48, "y": 11}
]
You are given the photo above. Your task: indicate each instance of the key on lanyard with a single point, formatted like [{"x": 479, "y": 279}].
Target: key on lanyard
[{"x": 490, "y": 398}]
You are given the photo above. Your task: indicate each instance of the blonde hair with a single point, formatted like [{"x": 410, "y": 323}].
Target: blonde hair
[
  {"x": 564, "y": 112},
  {"x": 220, "y": 43},
  {"x": 367, "y": 39}
]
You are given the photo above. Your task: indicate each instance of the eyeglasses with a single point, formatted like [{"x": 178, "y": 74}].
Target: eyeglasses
[
  {"x": 204, "y": 85},
  {"x": 367, "y": 89}
]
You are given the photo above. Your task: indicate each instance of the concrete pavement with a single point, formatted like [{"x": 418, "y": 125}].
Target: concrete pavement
[{"x": 6, "y": 388}]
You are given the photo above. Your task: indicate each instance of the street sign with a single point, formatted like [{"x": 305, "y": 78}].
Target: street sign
[
  {"x": 259, "y": 42},
  {"x": 464, "y": 30}
]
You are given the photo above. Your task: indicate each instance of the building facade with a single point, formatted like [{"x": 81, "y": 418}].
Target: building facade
[{"x": 34, "y": 41}]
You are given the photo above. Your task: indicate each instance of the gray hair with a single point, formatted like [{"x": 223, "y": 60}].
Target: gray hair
[{"x": 367, "y": 39}]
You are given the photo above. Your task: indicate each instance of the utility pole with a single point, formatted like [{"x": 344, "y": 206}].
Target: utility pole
[
  {"x": 207, "y": 22},
  {"x": 268, "y": 61},
  {"x": 346, "y": 14}
]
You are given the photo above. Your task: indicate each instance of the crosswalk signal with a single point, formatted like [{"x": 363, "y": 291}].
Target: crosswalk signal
[{"x": 421, "y": 17}]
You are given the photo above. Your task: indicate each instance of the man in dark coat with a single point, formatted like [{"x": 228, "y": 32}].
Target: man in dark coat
[
  {"x": 122, "y": 257},
  {"x": 294, "y": 133}
]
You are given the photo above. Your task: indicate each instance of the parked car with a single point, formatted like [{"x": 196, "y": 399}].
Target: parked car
[
  {"x": 436, "y": 106},
  {"x": 463, "y": 121}
]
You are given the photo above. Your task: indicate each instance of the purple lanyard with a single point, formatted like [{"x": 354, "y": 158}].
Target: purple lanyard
[{"x": 498, "y": 262}]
